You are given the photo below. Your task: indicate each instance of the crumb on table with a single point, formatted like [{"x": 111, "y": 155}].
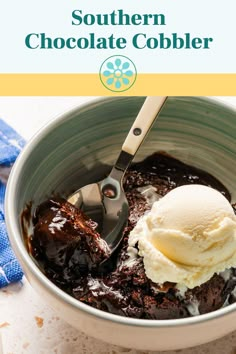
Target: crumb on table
[
  {"x": 4, "y": 324},
  {"x": 39, "y": 321}
]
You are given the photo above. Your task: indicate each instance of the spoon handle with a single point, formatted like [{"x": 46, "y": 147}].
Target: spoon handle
[
  {"x": 142, "y": 124},
  {"x": 139, "y": 130}
]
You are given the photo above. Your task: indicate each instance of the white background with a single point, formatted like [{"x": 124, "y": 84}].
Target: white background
[
  {"x": 211, "y": 18},
  {"x": 20, "y": 304}
]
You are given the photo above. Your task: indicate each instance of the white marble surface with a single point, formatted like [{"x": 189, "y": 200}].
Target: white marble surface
[{"x": 27, "y": 324}]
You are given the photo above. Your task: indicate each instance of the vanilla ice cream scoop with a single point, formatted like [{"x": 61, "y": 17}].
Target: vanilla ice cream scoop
[{"x": 188, "y": 235}]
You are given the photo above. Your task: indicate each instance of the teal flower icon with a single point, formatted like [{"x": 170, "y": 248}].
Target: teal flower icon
[{"x": 118, "y": 73}]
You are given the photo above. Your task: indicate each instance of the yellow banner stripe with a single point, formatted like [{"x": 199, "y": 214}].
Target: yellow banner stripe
[{"x": 90, "y": 85}]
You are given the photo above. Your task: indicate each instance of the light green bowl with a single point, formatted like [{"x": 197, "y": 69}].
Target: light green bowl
[{"x": 78, "y": 148}]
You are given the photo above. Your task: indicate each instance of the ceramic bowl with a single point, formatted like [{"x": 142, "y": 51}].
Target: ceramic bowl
[{"x": 78, "y": 148}]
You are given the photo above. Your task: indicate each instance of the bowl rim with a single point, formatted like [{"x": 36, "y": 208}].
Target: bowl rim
[{"x": 26, "y": 259}]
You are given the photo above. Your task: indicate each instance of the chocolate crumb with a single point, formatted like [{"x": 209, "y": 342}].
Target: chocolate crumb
[
  {"x": 39, "y": 321},
  {"x": 4, "y": 324},
  {"x": 25, "y": 345}
]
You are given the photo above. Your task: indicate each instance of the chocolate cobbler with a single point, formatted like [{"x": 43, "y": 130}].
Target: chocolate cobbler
[{"x": 69, "y": 250}]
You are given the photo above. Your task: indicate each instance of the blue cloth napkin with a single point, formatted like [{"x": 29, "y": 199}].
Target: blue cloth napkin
[{"x": 11, "y": 144}]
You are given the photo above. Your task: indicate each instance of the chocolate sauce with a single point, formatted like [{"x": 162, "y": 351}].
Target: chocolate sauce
[
  {"x": 25, "y": 224},
  {"x": 69, "y": 249}
]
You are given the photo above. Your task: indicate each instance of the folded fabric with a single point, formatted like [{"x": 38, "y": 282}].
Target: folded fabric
[{"x": 11, "y": 144}]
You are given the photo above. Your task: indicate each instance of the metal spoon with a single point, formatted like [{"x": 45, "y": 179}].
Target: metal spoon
[{"x": 105, "y": 201}]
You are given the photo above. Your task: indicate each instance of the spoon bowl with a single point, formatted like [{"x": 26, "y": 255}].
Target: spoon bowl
[{"x": 106, "y": 204}]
